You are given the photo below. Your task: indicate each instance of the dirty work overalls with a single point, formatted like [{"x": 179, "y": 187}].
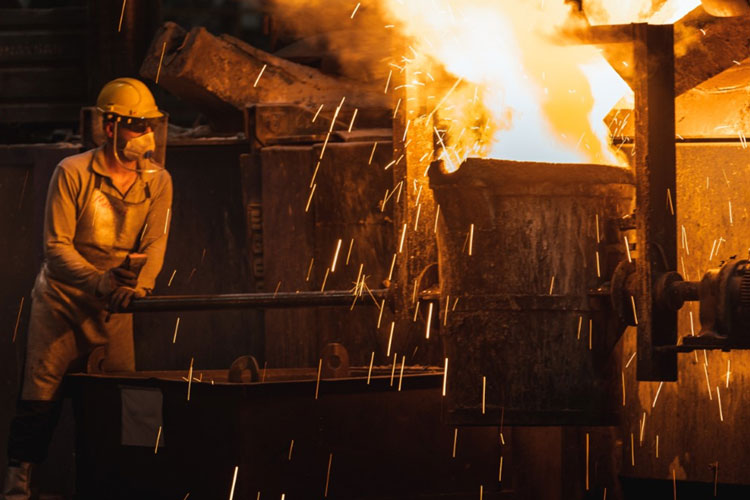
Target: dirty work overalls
[{"x": 68, "y": 323}]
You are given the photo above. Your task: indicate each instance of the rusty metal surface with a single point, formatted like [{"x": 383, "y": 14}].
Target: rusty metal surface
[
  {"x": 206, "y": 254},
  {"x": 531, "y": 222},
  {"x": 655, "y": 185},
  {"x": 704, "y": 47},
  {"x": 344, "y": 206},
  {"x": 715, "y": 109},
  {"x": 385, "y": 443},
  {"x": 218, "y": 75},
  {"x": 687, "y": 421},
  {"x": 415, "y": 212}
]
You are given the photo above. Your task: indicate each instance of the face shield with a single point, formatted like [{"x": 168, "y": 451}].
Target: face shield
[{"x": 143, "y": 140}]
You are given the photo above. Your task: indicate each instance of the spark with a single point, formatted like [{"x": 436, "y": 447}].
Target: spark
[
  {"x": 336, "y": 256},
  {"x": 692, "y": 326},
  {"x": 455, "y": 303},
  {"x": 731, "y": 221},
  {"x": 643, "y": 426},
  {"x": 395, "y": 110},
  {"x": 309, "y": 199},
  {"x": 158, "y": 437},
  {"x": 598, "y": 268},
  {"x": 657, "y": 446},
  {"x": 393, "y": 368},
  {"x": 500, "y": 473},
  {"x": 328, "y": 474},
  {"x": 627, "y": 249},
  {"x": 166, "y": 221},
  {"x": 684, "y": 241},
  {"x": 161, "y": 58},
  {"x": 445, "y": 376},
  {"x": 291, "y": 447},
  {"x": 630, "y": 360},
  {"x": 351, "y": 123},
  {"x": 317, "y": 383},
  {"x": 484, "y": 392},
  {"x": 580, "y": 322},
  {"x": 711, "y": 255},
  {"x": 437, "y": 214},
  {"x": 393, "y": 264},
  {"x": 354, "y": 11},
  {"x": 708, "y": 383},
  {"x": 445, "y": 316},
  {"x": 445, "y": 97},
  {"x": 390, "y": 339},
  {"x": 372, "y": 153},
  {"x": 369, "y": 371},
  {"x": 632, "y": 451},
  {"x": 455, "y": 440},
  {"x": 728, "y": 372},
  {"x": 309, "y": 269},
  {"x": 406, "y": 130},
  {"x": 317, "y": 113},
  {"x": 635, "y": 316},
  {"x": 401, "y": 375},
  {"x": 416, "y": 219},
  {"x": 669, "y": 200},
  {"x": 429, "y": 320},
  {"x": 587, "y": 461},
  {"x": 190, "y": 378},
  {"x": 18, "y": 321},
  {"x": 623, "y": 388},
  {"x": 387, "y": 82},
  {"x": 380, "y": 315},
  {"x": 591, "y": 331},
  {"x": 653, "y": 405},
  {"x": 259, "y": 75},
  {"x": 176, "y": 327},
  {"x": 471, "y": 244},
  {"x": 403, "y": 236},
  {"x": 551, "y": 285},
  {"x": 325, "y": 278},
  {"x": 718, "y": 398},
  {"x": 234, "y": 482},
  {"x": 314, "y": 175},
  {"x": 122, "y": 14},
  {"x": 171, "y": 278},
  {"x": 416, "y": 312},
  {"x": 598, "y": 239}
]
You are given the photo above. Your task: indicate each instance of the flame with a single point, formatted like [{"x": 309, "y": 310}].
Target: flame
[{"x": 522, "y": 92}]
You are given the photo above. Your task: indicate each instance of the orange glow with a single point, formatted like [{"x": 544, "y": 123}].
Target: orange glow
[{"x": 523, "y": 92}]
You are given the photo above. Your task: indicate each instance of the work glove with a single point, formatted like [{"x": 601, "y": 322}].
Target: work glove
[
  {"x": 121, "y": 297},
  {"x": 115, "y": 278}
]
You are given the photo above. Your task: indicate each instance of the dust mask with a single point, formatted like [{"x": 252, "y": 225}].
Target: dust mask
[{"x": 142, "y": 146}]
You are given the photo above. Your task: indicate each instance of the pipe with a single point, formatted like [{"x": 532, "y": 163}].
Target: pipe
[{"x": 159, "y": 303}]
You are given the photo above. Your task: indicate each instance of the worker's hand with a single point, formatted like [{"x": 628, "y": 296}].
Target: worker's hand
[
  {"x": 121, "y": 297},
  {"x": 114, "y": 279},
  {"x": 123, "y": 277}
]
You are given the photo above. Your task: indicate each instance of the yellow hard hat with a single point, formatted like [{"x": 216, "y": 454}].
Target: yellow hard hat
[{"x": 127, "y": 97}]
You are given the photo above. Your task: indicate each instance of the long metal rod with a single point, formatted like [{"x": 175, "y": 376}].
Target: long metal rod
[{"x": 159, "y": 303}]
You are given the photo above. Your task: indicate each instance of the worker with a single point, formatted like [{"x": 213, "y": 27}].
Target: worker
[{"x": 103, "y": 206}]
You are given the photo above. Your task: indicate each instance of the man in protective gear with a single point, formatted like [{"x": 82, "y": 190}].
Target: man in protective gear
[{"x": 106, "y": 208}]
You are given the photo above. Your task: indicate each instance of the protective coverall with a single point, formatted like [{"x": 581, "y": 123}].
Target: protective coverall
[{"x": 89, "y": 227}]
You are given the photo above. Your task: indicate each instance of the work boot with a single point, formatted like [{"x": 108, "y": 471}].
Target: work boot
[{"x": 17, "y": 485}]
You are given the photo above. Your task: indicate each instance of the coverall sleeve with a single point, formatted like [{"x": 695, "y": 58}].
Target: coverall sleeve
[
  {"x": 154, "y": 241},
  {"x": 60, "y": 218}
]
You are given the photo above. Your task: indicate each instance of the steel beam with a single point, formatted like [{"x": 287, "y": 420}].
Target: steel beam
[{"x": 656, "y": 226}]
